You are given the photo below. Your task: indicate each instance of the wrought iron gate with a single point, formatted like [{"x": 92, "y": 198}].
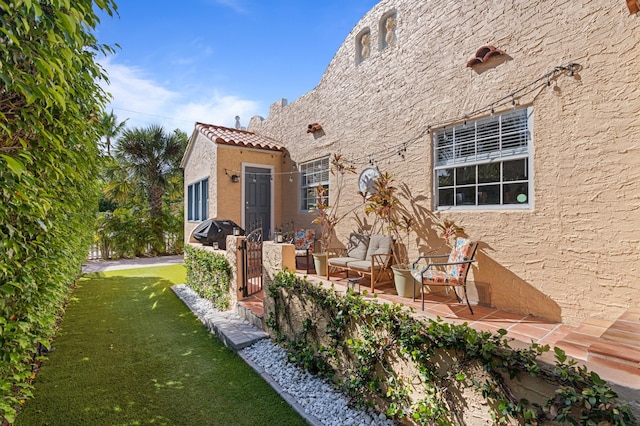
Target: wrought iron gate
[{"x": 252, "y": 263}]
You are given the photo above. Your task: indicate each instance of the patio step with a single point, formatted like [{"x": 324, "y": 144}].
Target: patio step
[
  {"x": 619, "y": 346},
  {"x": 252, "y": 314},
  {"x": 576, "y": 344},
  {"x": 235, "y": 332},
  {"x": 252, "y": 309}
]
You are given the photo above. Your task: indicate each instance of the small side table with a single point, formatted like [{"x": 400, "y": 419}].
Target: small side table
[{"x": 352, "y": 283}]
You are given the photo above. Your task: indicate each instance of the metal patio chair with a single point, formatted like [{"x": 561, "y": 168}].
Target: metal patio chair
[{"x": 452, "y": 273}]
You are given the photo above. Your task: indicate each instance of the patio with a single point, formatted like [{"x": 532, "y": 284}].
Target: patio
[{"x": 611, "y": 348}]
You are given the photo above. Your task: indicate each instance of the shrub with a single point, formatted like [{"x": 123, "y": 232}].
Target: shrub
[
  {"x": 126, "y": 233},
  {"x": 49, "y": 99},
  {"x": 209, "y": 275}
]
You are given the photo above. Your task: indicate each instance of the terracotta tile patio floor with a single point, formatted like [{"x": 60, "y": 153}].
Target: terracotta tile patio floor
[
  {"x": 611, "y": 348},
  {"x": 523, "y": 328}
]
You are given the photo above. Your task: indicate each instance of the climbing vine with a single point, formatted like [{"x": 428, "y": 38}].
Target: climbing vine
[{"x": 416, "y": 371}]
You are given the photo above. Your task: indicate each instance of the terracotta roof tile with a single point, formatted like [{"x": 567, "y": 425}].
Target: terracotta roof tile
[{"x": 229, "y": 136}]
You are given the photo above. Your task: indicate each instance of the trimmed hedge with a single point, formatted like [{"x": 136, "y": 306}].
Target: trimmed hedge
[
  {"x": 49, "y": 101},
  {"x": 209, "y": 275}
]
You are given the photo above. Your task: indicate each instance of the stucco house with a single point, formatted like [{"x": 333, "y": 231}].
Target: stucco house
[
  {"x": 518, "y": 120},
  {"x": 215, "y": 159}
]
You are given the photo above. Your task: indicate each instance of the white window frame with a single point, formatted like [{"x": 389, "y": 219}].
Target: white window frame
[
  {"x": 312, "y": 174},
  {"x": 487, "y": 142},
  {"x": 198, "y": 200}
]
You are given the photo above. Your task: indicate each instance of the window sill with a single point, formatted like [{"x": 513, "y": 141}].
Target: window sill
[{"x": 501, "y": 208}]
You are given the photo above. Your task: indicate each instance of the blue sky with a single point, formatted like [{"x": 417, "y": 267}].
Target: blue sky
[{"x": 210, "y": 60}]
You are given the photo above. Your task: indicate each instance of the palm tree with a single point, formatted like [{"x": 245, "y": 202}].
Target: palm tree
[
  {"x": 110, "y": 128},
  {"x": 149, "y": 161}
]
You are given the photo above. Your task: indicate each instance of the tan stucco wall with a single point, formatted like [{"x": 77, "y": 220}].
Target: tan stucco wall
[
  {"x": 576, "y": 252},
  {"x": 230, "y": 194},
  {"x": 219, "y": 162},
  {"x": 199, "y": 164}
]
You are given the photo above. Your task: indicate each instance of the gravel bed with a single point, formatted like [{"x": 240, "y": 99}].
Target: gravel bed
[
  {"x": 318, "y": 397},
  {"x": 198, "y": 305}
]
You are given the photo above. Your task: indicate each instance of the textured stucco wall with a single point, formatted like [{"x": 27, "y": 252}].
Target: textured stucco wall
[
  {"x": 200, "y": 163},
  {"x": 275, "y": 258},
  {"x": 300, "y": 308},
  {"x": 229, "y": 196},
  {"x": 576, "y": 252}
]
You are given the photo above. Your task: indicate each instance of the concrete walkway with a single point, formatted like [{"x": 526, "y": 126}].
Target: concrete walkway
[{"x": 138, "y": 262}]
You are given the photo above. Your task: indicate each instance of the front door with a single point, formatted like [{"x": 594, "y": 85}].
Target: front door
[{"x": 257, "y": 200}]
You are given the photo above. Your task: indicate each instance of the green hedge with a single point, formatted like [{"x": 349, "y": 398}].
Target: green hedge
[
  {"x": 49, "y": 101},
  {"x": 421, "y": 370},
  {"x": 209, "y": 275}
]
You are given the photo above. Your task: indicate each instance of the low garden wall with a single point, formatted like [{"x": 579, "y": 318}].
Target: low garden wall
[
  {"x": 430, "y": 372},
  {"x": 216, "y": 274},
  {"x": 416, "y": 371}
]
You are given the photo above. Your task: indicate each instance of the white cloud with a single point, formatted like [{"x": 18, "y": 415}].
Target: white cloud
[
  {"x": 220, "y": 110},
  {"x": 145, "y": 102},
  {"x": 130, "y": 89}
]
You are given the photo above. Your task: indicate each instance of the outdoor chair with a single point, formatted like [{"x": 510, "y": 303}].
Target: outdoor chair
[
  {"x": 366, "y": 255},
  {"x": 304, "y": 240},
  {"x": 451, "y": 274}
]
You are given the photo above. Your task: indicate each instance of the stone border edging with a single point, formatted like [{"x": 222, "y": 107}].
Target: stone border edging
[
  {"x": 238, "y": 349},
  {"x": 309, "y": 418}
]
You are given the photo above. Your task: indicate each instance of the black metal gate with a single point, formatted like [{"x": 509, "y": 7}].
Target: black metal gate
[{"x": 252, "y": 263}]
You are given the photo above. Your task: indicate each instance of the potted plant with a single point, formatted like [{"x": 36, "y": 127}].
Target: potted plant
[
  {"x": 395, "y": 219},
  {"x": 402, "y": 277},
  {"x": 327, "y": 222},
  {"x": 384, "y": 203},
  {"x": 327, "y": 215}
]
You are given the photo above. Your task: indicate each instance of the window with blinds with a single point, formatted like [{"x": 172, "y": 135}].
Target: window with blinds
[
  {"x": 198, "y": 200},
  {"x": 312, "y": 174},
  {"x": 484, "y": 162}
]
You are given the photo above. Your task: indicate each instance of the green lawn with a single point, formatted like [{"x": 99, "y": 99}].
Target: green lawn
[{"x": 129, "y": 352}]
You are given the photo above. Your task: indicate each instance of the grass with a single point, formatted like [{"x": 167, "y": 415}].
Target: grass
[{"x": 129, "y": 352}]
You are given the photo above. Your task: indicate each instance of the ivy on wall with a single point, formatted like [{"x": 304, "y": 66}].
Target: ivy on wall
[
  {"x": 421, "y": 371},
  {"x": 49, "y": 101},
  {"x": 209, "y": 275}
]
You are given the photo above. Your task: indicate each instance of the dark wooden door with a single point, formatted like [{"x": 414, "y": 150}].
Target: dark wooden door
[{"x": 257, "y": 190}]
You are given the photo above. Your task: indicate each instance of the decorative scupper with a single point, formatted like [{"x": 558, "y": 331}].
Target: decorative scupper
[
  {"x": 314, "y": 127},
  {"x": 483, "y": 55}
]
